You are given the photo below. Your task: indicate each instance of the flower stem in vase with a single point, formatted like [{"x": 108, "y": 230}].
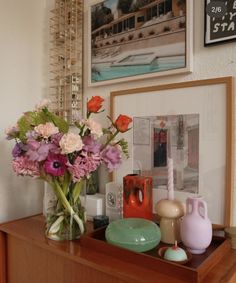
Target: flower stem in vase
[
  {"x": 66, "y": 220},
  {"x": 68, "y": 207}
]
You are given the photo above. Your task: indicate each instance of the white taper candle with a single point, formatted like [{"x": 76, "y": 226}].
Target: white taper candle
[{"x": 170, "y": 179}]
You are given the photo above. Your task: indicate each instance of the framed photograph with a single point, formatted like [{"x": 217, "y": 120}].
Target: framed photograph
[
  {"x": 220, "y": 21},
  {"x": 176, "y": 137},
  {"x": 138, "y": 39},
  {"x": 191, "y": 122}
]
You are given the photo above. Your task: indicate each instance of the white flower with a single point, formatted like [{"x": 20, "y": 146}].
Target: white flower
[
  {"x": 94, "y": 127},
  {"x": 70, "y": 142},
  {"x": 46, "y": 130},
  {"x": 42, "y": 104}
]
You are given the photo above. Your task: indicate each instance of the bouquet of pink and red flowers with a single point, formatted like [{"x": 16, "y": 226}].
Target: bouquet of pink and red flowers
[{"x": 47, "y": 148}]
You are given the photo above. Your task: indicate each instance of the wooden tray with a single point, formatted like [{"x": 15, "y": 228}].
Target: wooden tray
[{"x": 194, "y": 271}]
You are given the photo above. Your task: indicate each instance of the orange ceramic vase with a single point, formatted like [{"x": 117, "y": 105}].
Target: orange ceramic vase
[{"x": 137, "y": 197}]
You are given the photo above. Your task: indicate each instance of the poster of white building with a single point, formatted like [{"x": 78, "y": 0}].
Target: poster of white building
[{"x": 137, "y": 37}]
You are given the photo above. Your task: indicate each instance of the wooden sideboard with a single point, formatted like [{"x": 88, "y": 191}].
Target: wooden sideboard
[{"x": 26, "y": 256}]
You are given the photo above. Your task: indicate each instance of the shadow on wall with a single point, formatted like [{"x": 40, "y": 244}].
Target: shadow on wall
[
  {"x": 19, "y": 196},
  {"x": 214, "y": 190}
]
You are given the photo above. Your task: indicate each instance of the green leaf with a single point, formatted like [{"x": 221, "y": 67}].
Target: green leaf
[
  {"x": 124, "y": 145},
  {"x": 66, "y": 183},
  {"x": 77, "y": 189},
  {"x": 40, "y": 118},
  {"x": 25, "y": 125},
  {"x": 106, "y": 131}
]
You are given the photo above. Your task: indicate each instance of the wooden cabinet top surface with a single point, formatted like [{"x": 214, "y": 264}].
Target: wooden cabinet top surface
[{"x": 31, "y": 230}]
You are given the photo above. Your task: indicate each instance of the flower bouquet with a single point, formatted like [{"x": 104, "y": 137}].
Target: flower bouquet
[{"x": 46, "y": 148}]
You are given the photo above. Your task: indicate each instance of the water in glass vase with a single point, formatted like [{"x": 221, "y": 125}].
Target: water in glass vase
[
  {"x": 92, "y": 184},
  {"x": 65, "y": 216}
]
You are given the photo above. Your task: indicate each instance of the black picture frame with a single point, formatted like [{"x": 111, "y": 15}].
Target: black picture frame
[{"x": 214, "y": 32}]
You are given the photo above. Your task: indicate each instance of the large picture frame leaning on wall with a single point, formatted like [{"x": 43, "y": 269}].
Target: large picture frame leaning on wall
[
  {"x": 200, "y": 110},
  {"x": 138, "y": 39}
]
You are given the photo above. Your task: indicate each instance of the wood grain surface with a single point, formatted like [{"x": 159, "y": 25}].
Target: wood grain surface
[{"x": 32, "y": 258}]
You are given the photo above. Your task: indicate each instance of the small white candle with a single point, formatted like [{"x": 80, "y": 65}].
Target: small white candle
[
  {"x": 170, "y": 179},
  {"x": 176, "y": 244}
]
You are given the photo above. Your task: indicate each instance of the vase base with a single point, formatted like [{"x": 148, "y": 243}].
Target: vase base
[
  {"x": 197, "y": 252},
  {"x": 59, "y": 239}
]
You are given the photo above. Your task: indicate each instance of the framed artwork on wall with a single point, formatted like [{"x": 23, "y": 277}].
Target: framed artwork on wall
[
  {"x": 175, "y": 136},
  {"x": 191, "y": 122},
  {"x": 136, "y": 39},
  {"x": 220, "y": 21}
]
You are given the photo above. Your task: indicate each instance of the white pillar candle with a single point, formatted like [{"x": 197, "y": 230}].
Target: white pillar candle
[{"x": 170, "y": 187}]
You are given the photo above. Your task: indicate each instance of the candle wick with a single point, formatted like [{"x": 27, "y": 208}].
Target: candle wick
[{"x": 176, "y": 245}]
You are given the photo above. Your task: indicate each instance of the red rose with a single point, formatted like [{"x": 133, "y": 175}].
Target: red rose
[
  {"x": 94, "y": 104},
  {"x": 122, "y": 123}
]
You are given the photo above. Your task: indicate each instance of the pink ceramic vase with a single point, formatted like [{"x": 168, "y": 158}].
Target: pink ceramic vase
[{"x": 196, "y": 228}]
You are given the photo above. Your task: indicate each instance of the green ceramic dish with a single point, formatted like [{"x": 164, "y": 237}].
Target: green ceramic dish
[{"x": 135, "y": 234}]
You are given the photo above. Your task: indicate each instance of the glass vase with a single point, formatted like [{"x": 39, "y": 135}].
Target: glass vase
[
  {"x": 92, "y": 184},
  {"x": 65, "y": 213}
]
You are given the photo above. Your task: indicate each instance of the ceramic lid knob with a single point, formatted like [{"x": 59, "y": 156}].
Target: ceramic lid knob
[{"x": 169, "y": 208}]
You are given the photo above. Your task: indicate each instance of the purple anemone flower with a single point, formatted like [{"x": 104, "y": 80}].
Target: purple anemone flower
[
  {"x": 55, "y": 139},
  {"x": 111, "y": 156},
  {"x": 90, "y": 145},
  {"x": 38, "y": 151},
  {"x": 18, "y": 149},
  {"x": 55, "y": 164},
  {"x": 32, "y": 135}
]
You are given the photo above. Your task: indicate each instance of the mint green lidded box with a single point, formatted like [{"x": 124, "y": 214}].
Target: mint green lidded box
[{"x": 136, "y": 234}]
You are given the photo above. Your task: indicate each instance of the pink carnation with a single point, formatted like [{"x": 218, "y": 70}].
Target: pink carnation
[
  {"x": 84, "y": 166},
  {"x": 42, "y": 104},
  {"x": 46, "y": 130},
  {"x": 25, "y": 167}
]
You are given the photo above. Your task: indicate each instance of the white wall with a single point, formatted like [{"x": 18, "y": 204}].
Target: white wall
[
  {"x": 23, "y": 77},
  {"x": 210, "y": 62}
]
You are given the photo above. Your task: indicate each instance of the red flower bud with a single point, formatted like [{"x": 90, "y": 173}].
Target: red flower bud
[
  {"x": 94, "y": 104},
  {"x": 122, "y": 123}
]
